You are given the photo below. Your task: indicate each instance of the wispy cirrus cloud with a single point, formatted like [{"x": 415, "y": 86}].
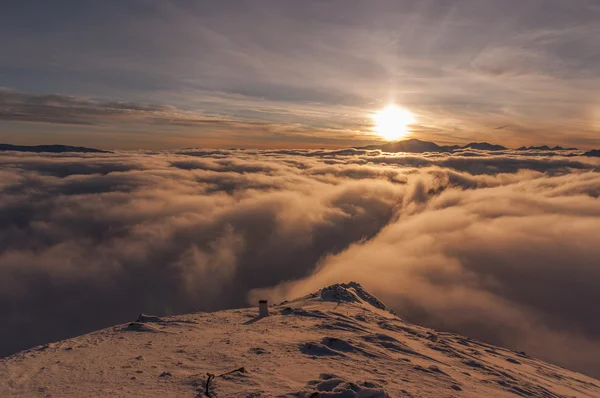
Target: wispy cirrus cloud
[
  {"x": 306, "y": 126},
  {"x": 66, "y": 109},
  {"x": 462, "y": 68}
]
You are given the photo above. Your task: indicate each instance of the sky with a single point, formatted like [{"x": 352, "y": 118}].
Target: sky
[{"x": 159, "y": 74}]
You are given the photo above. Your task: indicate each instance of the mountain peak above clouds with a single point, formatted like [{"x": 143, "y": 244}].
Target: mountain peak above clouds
[
  {"x": 49, "y": 149},
  {"x": 413, "y": 145},
  {"x": 351, "y": 292},
  {"x": 340, "y": 341},
  {"x": 593, "y": 153}
]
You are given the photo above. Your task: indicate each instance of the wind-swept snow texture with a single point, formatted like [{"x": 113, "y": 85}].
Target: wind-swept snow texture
[{"x": 338, "y": 342}]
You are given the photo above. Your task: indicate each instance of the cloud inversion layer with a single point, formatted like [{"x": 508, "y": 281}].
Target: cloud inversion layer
[{"x": 501, "y": 247}]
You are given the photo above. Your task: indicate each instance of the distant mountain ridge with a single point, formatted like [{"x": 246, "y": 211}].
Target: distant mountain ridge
[
  {"x": 412, "y": 145},
  {"x": 593, "y": 153},
  {"x": 484, "y": 146},
  {"x": 49, "y": 148},
  {"x": 417, "y": 146},
  {"x": 544, "y": 148}
]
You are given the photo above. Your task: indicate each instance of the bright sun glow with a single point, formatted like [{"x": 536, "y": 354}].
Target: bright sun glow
[{"x": 392, "y": 122}]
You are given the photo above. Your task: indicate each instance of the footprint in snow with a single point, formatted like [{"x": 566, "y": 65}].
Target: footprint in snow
[{"x": 258, "y": 351}]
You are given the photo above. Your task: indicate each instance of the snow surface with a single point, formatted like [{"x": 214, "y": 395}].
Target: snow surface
[{"x": 338, "y": 342}]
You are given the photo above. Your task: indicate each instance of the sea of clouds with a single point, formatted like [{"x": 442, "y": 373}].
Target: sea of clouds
[{"x": 503, "y": 247}]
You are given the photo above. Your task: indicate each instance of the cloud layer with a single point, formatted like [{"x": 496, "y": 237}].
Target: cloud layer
[{"x": 501, "y": 247}]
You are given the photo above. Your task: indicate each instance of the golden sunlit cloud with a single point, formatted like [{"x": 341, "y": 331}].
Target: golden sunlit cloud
[{"x": 392, "y": 122}]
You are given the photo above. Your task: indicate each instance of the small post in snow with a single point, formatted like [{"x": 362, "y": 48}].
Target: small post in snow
[{"x": 263, "y": 308}]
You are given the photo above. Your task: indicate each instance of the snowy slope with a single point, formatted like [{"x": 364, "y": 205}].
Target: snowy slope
[{"x": 338, "y": 342}]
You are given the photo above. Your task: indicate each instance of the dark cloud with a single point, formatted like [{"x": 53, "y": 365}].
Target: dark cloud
[
  {"x": 64, "y": 109},
  {"x": 71, "y": 110},
  {"x": 98, "y": 119},
  {"x": 500, "y": 247}
]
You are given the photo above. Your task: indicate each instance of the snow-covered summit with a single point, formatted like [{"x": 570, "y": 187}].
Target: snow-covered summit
[
  {"x": 351, "y": 292},
  {"x": 338, "y": 342}
]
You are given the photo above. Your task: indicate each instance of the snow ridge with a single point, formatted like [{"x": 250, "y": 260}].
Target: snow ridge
[
  {"x": 338, "y": 342},
  {"x": 351, "y": 292}
]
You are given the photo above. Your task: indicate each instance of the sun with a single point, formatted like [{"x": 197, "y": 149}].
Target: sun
[{"x": 392, "y": 122}]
